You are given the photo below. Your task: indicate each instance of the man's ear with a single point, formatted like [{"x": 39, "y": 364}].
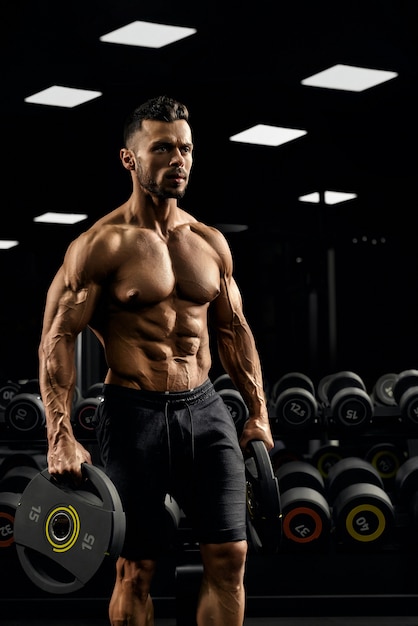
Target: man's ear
[{"x": 127, "y": 159}]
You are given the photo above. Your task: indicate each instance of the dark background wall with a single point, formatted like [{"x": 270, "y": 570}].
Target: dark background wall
[{"x": 344, "y": 305}]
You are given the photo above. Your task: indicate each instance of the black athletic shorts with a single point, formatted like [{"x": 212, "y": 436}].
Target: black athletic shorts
[{"x": 182, "y": 443}]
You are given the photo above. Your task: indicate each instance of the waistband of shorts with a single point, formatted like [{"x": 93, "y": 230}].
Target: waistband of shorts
[{"x": 161, "y": 398}]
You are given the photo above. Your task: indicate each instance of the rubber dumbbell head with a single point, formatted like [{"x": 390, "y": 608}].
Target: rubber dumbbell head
[
  {"x": 383, "y": 390},
  {"x": 349, "y": 471},
  {"x": 387, "y": 458},
  {"x": 349, "y": 403},
  {"x": 236, "y": 406},
  {"x": 406, "y": 481},
  {"x": 325, "y": 457},
  {"x": 294, "y": 406},
  {"x": 306, "y": 516},
  {"x": 405, "y": 392},
  {"x": 362, "y": 511},
  {"x": 25, "y": 414},
  {"x": 224, "y": 381},
  {"x": 292, "y": 379},
  {"x": 8, "y": 390}
]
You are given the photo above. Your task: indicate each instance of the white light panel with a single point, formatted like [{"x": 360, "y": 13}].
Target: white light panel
[
  {"x": 60, "y": 218},
  {"x": 348, "y": 78},
  {"x": 6, "y": 244},
  {"x": 330, "y": 197},
  {"x": 335, "y": 197},
  {"x": 265, "y": 135},
  {"x": 147, "y": 34},
  {"x": 62, "y": 96}
]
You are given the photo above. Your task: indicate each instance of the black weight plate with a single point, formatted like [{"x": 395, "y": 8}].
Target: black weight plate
[
  {"x": 62, "y": 535},
  {"x": 263, "y": 500}
]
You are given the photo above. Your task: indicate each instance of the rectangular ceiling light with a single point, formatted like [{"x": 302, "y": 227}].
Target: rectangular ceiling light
[
  {"x": 330, "y": 197},
  {"x": 60, "y": 218},
  {"x": 62, "y": 96},
  {"x": 6, "y": 244},
  {"x": 348, "y": 78},
  {"x": 147, "y": 34},
  {"x": 265, "y": 135}
]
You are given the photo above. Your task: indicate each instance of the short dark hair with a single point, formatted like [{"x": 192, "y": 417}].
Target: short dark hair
[{"x": 161, "y": 108}]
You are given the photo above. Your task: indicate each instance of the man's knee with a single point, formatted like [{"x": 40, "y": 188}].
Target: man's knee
[
  {"x": 135, "y": 576},
  {"x": 225, "y": 561}
]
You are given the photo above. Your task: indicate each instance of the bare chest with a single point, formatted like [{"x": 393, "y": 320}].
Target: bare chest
[{"x": 152, "y": 270}]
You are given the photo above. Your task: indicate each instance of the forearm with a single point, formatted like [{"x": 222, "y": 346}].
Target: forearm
[
  {"x": 240, "y": 359},
  {"x": 57, "y": 377}
]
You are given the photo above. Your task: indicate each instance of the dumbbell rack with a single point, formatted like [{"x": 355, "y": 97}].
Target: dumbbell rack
[{"x": 334, "y": 579}]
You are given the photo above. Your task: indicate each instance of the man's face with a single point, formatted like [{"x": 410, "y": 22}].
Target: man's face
[{"x": 163, "y": 157}]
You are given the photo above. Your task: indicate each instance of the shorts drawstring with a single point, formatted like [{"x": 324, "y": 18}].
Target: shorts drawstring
[
  {"x": 166, "y": 401},
  {"x": 167, "y": 425},
  {"x": 191, "y": 429}
]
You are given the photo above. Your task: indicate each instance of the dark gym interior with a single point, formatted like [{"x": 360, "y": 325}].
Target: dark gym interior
[{"x": 330, "y": 290}]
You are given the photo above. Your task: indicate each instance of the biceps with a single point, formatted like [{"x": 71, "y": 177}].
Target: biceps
[
  {"x": 67, "y": 311},
  {"x": 227, "y": 310}
]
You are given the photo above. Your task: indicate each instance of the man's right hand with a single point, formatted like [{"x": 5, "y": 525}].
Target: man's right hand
[{"x": 65, "y": 460}]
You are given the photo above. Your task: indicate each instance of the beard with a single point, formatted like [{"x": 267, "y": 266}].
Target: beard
[{"x": 149, "y": 184}]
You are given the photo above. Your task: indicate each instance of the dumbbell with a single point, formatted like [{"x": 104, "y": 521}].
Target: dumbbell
[
  {"x": 362, "y": 511},
  {"x": 323, "y": 455},
  {"x": 306, "y": 516},
  {"x": 233, "y": 400},
  {"x": 30, "y": 385},
  {"x": 293, "y": 403},
  {"x": 347, "y": 401},
  {"x": 382, "y": 393},
  {"x": 406, "y": 490},
  {"x": 405, "y": 392},
  {"x": 12, "y": 460},
  {"x": 16, "y": 478},
  {"x": 8, "y": 390},
  {"x": 25, "y": 415},
  {"x": 85, "y": 409},
  {"x": 224, "y": 381},
  {"x": 387, "y": 458},
  {"x": 282, "y": 454}
]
